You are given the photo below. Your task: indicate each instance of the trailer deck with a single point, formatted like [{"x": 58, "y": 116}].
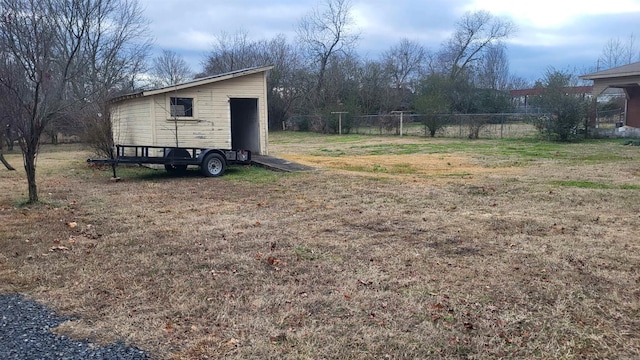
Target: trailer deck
[{"x": 212, "y": 162}]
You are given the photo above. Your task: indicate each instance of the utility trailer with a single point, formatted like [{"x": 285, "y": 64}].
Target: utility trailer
[{"x": 212, "y": 162}]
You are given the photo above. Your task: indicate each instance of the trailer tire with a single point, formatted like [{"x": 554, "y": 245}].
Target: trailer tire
[
  {"x": 213, "y": 165},
  {"x": 175, "y": 169},
  {"x": 176, "y": 153}
]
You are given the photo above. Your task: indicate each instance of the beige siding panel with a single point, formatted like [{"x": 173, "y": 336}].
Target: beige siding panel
[
  {"x": 131, "y": 122},
  {"x": 250, "y": 86},
  {"x": 203, "y": 130}
]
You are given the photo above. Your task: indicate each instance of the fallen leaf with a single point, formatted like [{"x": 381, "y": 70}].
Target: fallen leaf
[
  {"x": 278, "y": 338},
  {"x": 232, "y": 342},
  {"x": 169, "y": 327},
  {"x": 58, "y": 248}
]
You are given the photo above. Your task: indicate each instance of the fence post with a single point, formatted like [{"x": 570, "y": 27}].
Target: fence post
[{"x": 424, "y": 121}]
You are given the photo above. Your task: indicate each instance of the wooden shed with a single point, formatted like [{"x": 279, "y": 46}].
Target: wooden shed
[{"x": 226, "y": 111}]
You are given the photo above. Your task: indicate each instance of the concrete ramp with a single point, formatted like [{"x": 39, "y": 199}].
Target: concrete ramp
[{"x": 277, "y": 164}]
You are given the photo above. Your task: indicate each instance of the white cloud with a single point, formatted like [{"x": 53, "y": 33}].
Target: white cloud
[
  {"x": 550, "y": 31},
  {"x": 553, "y": 13}
]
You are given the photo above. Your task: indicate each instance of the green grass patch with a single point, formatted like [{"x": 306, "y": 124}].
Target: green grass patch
[
  {"x": 455, "y": 175},
  {"x": 42, "y": 203},
  {"x": 382, "y": 169},
  {"x": 403, "y": 168},
  {"x": 253, "y": 175},
  {"x": 306, "y": 253},
  {"x": 286, "y": 137},
  {"x": 629, "y": 187},
  {"x": 593, "y": 185},
  {"x": 330, "y": 152}
]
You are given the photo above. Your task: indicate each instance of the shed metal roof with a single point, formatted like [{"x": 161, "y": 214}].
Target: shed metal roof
[{"x": 194, "y": 82}]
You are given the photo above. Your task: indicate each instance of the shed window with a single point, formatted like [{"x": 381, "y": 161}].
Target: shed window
[{"x": 181, "y": 107}]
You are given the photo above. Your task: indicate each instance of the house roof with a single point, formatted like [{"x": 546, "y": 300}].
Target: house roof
[
  {"x": 194, "y": 82},
  {"x": 616, "y": 72}
]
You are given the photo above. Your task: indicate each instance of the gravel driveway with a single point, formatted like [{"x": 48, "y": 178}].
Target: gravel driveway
[{"x": 25, "y": 334}]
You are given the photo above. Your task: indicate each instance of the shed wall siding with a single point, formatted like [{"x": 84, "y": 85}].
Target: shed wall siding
[
  {"x": 131, "y": 122},
  {"x": 211, "y": 122}
]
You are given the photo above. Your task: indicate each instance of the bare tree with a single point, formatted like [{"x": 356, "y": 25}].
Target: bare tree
[
  {"x": 7, "y": 113},
  {"x": 517, "y": 82},
  {"x": 115, "y": 54},
  {"x": 325, "y": 31},
  {"x": 170, "y": 69},
  {"x": 5, "y": 129},
  {"x": 375, "y": 95},
  {"x": 61, "y": 56},
  {"x": 286, "y": 81},
  {"x": 493, "y": 72},
  {"x": 232, "y": 52},
  {"x": 474, "y": 34},
  {"x": 617, "y": 53},
  {"x": 404, "y": 63}
]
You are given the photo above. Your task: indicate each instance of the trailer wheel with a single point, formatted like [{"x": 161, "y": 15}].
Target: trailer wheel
[
  {"x": 175, "y": 169},
  {"x": 176, "y": 153},
  {"x": 213, "y": 165}
]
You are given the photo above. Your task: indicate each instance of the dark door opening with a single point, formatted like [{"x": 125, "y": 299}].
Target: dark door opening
[{"x": 245, "y": 125}]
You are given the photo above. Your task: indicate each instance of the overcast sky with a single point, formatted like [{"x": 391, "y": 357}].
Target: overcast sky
[{"x": 565, "y": 34}]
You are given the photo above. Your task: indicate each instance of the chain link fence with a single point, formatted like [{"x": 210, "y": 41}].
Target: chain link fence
[
  {"x": 609, "y": 119},
  {"x": 477, "y": 126}
]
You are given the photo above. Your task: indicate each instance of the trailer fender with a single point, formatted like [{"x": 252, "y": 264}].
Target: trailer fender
[
  {"x": 176, "y": 153},
  {"x": 203, "y": 154}
]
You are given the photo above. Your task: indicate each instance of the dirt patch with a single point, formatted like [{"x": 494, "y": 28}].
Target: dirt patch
[{"x": 431, "y": 168}]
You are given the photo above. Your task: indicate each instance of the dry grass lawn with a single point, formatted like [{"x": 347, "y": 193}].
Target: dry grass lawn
[{"x": 397, "y": 248}]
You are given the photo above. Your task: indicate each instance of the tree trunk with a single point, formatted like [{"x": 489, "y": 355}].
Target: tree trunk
[
  {"x": 30, "y": 168},
  {"x": 2, "y": 159},
  {"x": 5, "y": 163}
]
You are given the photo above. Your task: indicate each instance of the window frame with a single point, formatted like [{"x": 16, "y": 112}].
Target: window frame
[{"x": 170, "y": 104}]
